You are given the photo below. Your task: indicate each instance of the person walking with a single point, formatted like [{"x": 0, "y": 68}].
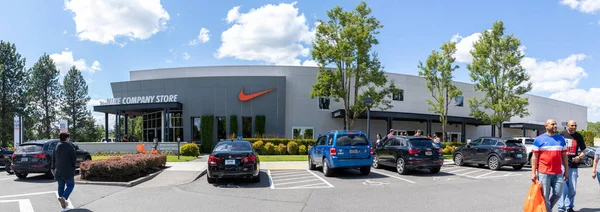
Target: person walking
[
  {"x": 575, "y": 152},
  {"x": 63, "y": 169},
  {"x": 595, "y": 167},
  {"x": 549, "y": 153},
  {"x": 378, "y": 142}
]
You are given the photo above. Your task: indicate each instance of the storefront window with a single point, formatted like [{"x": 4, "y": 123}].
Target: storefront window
[
  {"x": 221, "y": 127},
  {"x": 196, "y": 132},
  {"x": 247, "y": 126},
  {"x": 303, "y": 132}
]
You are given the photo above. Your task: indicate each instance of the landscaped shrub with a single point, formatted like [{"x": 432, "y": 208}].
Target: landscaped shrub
[
  {"x": 448, "y": 150},
  {"x": 207, "y": 126},
  {"x": 302, "y": 150},
  {"x": 292, "y": 148},
  {"x": 122, "y": 169},
  {"x": 452, "y": 144},
  {"x": 280, "y": 149},
  {"x": 257, "y": 146},
  {"x": 588, "y": 137},
  {"x": 285, "y": 141},
  {"x": 268, "y": 149},
  {"x": 189, "y": 149}
]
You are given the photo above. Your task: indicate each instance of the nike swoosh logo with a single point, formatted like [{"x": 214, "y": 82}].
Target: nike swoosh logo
[{"x": 245, "y": 97}]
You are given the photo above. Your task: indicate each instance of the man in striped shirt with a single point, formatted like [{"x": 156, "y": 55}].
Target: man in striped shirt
[{"x": 549, "y": 156}]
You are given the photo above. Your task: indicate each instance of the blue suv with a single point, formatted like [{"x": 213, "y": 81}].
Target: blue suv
[{"x": 341, "y": 149}]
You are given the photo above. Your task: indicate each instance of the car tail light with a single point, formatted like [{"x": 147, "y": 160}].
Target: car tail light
[
  {"x": 371, "y": 150},
  {"x": 440, "y": 150},
  {"x": 14, "y": 156},
  {"x": 413, "y": 151},
  {"x": 40, "y": 156},
  {"x": 213, "y": 161},
  {"x": 249, "y": 158},
  {"x": 332, "y": 151},
  {"x": 508, "y": 148}
]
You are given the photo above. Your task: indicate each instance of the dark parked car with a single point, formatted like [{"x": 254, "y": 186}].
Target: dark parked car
[
  {"x": 36, "y": 157},
  {"x": 233, "y": 159},
  {"x": 409, "y": 152},
  {"x": 589, "y": 156},
  {"x": 5, "y": 155},
  {"x": 493, "y": 152}
]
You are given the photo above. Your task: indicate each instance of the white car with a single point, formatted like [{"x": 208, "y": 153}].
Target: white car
[
  {"x": 110, "y": 140},
  {"x": 528, "y": 142}
]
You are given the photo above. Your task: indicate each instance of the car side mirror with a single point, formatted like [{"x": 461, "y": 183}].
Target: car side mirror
[{"x": 468, "y": 145}]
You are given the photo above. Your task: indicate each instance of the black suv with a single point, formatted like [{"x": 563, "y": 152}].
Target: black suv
[
  {"x": 36, "y": 157},
  {"x": 409, "y": 152},
  {"x": 493, "y": 152}
]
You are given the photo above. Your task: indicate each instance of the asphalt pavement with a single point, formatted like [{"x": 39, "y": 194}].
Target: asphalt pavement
[{"x": 291, "y": 187}]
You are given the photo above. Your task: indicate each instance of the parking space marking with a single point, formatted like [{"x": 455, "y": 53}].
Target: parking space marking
[
  {"x": 286, "y": 167},
  {"x": 296, "y": 179},
  {"x": 486, "y": 174},
  {"x": 457, "y": 170},
  {"x": 30, "y": 194},
  {"x": 24, "y": 204},
  {"x": 466, "y": 173},
  {"x": 399, "y": 178},
  {"x": 7, "y": 178},
  {"x": 469, "y": 171}
]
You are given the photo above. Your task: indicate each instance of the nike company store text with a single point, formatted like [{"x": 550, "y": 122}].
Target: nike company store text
[{"x": 141, "y": 99}]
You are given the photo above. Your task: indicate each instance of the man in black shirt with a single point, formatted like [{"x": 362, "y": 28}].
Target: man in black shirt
[
  {"x": 63, "y": 168},
  {"x": 575, "y": 151}
]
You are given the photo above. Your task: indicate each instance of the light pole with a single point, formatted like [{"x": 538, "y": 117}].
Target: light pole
[
  {"x": 20, "y": 107},
  {"x": 368, "y": 101}
]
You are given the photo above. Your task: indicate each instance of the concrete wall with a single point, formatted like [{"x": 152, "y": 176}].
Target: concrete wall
[
  {"x": 127, "y": 147},
  {"x": 302, "y": 111}
]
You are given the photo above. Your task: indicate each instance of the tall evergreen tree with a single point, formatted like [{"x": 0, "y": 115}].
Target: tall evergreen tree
[
  {"x": 47, "y": 92},
  {"x": 12, "y": 75},
  {"x": 74, "y": 101}
]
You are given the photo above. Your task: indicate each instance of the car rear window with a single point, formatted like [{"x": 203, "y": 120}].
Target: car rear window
[
  {"x": 233, "y": 146},
  {"x": 514, "y": 143},
  {"x": 529, "y": 141},
  {"x": 352, "y": 140},
  {"x": 29, "y": 148},
  {"x": 422, "y": 142}
]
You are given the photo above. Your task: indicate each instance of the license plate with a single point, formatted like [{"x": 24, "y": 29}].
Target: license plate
[
  {"x": 428, "y": 153},
  {"x": 354, "y": 151},
  {"x": 229, "y": 162},
  {"x": 24, "y": 159},
  {"x": 519, "y": 156}
]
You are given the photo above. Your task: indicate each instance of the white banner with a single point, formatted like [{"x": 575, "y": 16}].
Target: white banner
[
  {"x": 17, "y": 131},
  {"x": 64, "y": 126}
]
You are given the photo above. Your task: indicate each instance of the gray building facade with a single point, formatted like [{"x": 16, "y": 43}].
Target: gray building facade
[{"x": 291, "y": 113}]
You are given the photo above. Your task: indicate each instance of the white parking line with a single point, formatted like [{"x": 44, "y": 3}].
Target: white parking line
[
  {"x": 399, "y": 178},
  {"x": 320, "y": 178},
  {"x": 302, "y": 181},
  {"x": 485, "y": 174},
  {"x": 458, "y": 170},
  {"x": 30, "y": 194},
  {"x": 470, "y": 172},
  {"x": 295, "y": 179},
  {"x": 24, "y": 204}
]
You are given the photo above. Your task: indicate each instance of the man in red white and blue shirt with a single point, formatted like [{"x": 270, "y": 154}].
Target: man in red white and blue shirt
[{"x": 547, "y": 162}]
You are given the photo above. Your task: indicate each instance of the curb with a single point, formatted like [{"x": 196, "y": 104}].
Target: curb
[{"x": 124, "y": 184}]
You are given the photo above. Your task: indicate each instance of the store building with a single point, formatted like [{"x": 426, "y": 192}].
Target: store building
[{"x": 281, "y": 94}]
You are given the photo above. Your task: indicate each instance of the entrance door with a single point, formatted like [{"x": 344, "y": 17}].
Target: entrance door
[
  {"x": 151, "y": 135},
  {"x": 454, "y": 137}
]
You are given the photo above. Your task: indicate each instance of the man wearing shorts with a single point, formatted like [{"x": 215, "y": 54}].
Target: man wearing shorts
[{"x": 549, "y": 155}]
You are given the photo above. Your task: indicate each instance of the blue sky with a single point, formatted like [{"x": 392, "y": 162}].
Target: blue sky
[{"x": 107, "y": 39}]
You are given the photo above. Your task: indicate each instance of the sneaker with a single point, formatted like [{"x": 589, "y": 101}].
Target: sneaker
[
  {"x": 62, "y": 201},
  {"x": 570, "y": 210}
]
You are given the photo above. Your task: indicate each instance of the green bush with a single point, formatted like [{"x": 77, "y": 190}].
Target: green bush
[
  {"x": 292, "y": 148},
  {"x": 207, "y": 126},
  {"x": 302, "y": 150},
  {"x": 280, "y": 149},
  {"x": 285, "y": 141},
  {"x": 268, "y": 149},
  {"x": 233, "y": 125},
  {"x": 257, "y": 146},
  {"x": 449, "y": 150},
  {"x": 588, "y": 137},
  {"x": 260, "y": 124},
  {"x": 189, "y": 149},
  {"x": 452, "y": 144}
]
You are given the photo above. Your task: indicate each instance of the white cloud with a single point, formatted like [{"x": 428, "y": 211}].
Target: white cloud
[
  {"x": 64, "y": 61},
  {"x": 186, "y": 56},
  {"x": 104, "y": 20},
  {"x": 464, "y": 45},
  {"x": 589, "y": 98},
  {"x": 65, "y": 32},
  {"x": 203, "y": 37},
  {"x": 310, "y": 63},
  {"x": 276, "y": 34},
  {"x": 584, "y": 6},
  {"x": 555, "y": 76}
]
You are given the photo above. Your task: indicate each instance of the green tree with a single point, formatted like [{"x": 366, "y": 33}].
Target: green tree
[
  {"x": 47, "y": 93},
  {"x": 137, "y": 129},
  {"x": 437, "y": 73},
  {"x": 74, "y": 102},
  {"x": 346, "y": 42},
  {"x": 89, "y": 131},
  {"x": 496, "y": 71},
  {"x": 594, "y": 127},
  {"x": 12, "y": 77}
]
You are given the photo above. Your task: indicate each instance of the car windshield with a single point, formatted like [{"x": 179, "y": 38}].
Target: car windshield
[
  {"x": 233, "y": 146},
  {"x": 529, "y": 141},
  {"x": 422, "y": 142},
  {"x": 514, "y": 143},
  {"x": 29, "y": 148},
  {"x": 351, "y": 140}
]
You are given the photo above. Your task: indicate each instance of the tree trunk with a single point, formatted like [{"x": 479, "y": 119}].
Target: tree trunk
[
  {"x": 444, "y": 131},
  {"x": 499, "y": 126}
]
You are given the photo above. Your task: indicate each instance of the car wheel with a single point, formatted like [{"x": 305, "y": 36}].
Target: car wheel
[
  {"x": 326, "y": 170},
  {"x": 435, "y": 170},
  {"x": 311, "y": 165},
  {"x": 376, "y": 161},
  {"x": 21, "y": 175},
  {"x": 589, "y": 162},
  {"x": 517, "y": 167},
  {"x": 8, "y": 168},
  {"x": 365, "y": 170},
  {"x": 494, "y": 162},
  {"x": 401, "y": 166},
  {"x": 458, "y": 159},
  {"x": 210, "y": 180}
]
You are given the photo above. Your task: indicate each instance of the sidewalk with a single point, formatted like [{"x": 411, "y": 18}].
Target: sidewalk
[{"x": 178, "y": 173}]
